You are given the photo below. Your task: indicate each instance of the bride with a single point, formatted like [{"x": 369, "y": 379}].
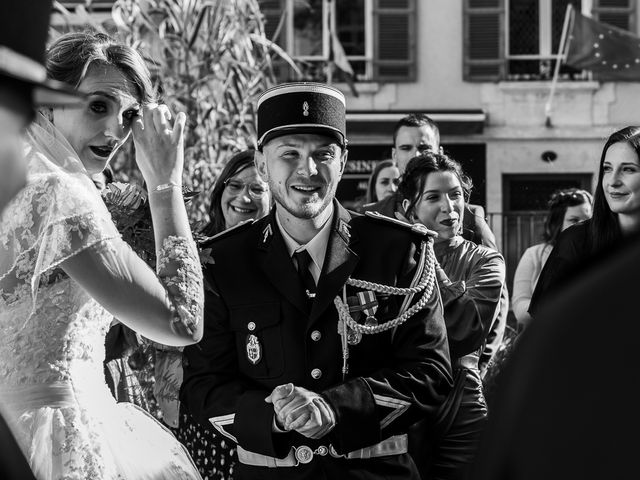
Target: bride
[{"x": 65, "y": 272}]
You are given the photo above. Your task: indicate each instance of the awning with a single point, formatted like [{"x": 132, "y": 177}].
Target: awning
[{"x": 367, "y": 126}]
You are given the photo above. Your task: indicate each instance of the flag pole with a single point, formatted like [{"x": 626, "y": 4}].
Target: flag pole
[
  {"x": 556, "y": 72},
  {"x": 329, "y": 66}
]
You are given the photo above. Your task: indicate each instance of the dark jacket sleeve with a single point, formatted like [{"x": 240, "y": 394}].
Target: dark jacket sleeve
[
  {"x": 214, "y": 392},
  {"x": 411, "y": 388}
]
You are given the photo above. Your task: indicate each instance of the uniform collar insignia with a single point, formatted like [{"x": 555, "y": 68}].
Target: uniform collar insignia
[
  {"x": 305, "y": 109},
  {"x": 266, "y": 233},
  {"x": 343, "y": 228}
]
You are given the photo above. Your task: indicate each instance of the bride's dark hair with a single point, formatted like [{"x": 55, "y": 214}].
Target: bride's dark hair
[{"x": 70, "y": 56}]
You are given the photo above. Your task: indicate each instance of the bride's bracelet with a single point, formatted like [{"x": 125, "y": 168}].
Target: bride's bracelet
[{"x": 167, "y": 186}]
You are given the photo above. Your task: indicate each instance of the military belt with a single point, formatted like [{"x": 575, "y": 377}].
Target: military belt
[{"x": 304, "y": 454}]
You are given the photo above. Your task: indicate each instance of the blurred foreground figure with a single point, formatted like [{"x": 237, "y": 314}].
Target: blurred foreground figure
[
  {"x": 569, "y": 404},
  {"x": 22, "y": 82},
  {"x": 22, "y": 77}
]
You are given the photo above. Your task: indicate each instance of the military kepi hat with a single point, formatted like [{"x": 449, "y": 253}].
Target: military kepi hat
[
  {"x": 301, "y": 108},
  {"x": 24, "y": 28}
]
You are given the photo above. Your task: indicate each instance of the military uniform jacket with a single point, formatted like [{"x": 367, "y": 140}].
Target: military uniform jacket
[{"x": 395, "y": 378}]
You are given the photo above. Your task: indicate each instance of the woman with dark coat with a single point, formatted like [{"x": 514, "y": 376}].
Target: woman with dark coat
[{"x": 616, "y": 217}]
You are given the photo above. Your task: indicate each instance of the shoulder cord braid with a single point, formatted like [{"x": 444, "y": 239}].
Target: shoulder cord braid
[{"x": 426, "y": 285}]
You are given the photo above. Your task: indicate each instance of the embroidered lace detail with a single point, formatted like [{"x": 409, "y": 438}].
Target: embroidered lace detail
[
  {"x": 45, "y": 225},
  {"x": 179, "y": 269}
]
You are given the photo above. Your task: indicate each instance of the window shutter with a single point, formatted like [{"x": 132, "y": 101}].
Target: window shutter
[
  {"x": 394, "y": 40},
  {"x": 619, "y": 13},
  {"x": 484, "y": 33},
  {"x": 272, "y": 11}
]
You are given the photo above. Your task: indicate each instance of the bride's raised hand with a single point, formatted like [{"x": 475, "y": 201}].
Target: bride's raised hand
[{"x": 159, "y": 145}]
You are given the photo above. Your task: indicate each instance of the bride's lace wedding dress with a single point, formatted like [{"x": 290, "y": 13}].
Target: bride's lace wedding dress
[{"x": 52, "y": 389}]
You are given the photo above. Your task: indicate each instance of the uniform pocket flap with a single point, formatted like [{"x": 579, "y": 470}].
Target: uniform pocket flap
[{"x": 254, "y": 318}]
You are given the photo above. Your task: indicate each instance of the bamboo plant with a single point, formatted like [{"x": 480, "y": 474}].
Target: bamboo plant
[{"x": 211, "y": 59}]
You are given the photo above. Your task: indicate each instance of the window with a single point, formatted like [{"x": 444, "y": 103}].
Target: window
[
  {"x": 534, "y": 29},
  {"x": 310, "y": 24},
  {"x": 519, "y": 39},
  {"x": 377, "y": 36}
]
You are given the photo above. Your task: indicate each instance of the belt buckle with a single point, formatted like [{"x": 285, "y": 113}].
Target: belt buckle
[
  {"x": 334, "y": 453},
  {"x": 304, "y": 454}
]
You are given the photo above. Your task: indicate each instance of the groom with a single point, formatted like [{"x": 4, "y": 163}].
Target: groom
[{"x": 310, "y": 360}]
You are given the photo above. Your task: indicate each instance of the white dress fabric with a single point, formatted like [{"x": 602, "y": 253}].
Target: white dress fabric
[{"x": 52, "y": 388}]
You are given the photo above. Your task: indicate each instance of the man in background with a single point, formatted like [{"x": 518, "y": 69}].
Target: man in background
[{"x": 413, "y": 135}]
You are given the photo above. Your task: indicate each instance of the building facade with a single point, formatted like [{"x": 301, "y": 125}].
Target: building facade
[{"x": 482, "y": 69}]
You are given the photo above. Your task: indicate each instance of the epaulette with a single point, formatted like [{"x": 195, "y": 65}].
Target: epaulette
[
  {"x": 225, "y": 233},
  {"x": 418, "y": 228}
]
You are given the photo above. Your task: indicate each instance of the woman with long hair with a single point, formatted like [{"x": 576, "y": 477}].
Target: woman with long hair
[
  {"x": 383, "y": 181},
  {"x": 471, "y": 278},
  {"x": 616, "y": 216},
  {"x": 65, "y": 272},
  {"x": 566, "y": 208}
]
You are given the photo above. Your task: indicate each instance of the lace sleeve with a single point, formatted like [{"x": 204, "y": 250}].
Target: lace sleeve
[
  {"x": 54, "y": 218},
  {"x": 179, "y": 268}
]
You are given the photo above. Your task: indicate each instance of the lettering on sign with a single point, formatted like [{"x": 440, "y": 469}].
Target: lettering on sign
[{"x": 360, "y": 166}]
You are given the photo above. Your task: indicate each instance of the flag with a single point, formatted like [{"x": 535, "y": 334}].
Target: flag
[
  {"x": 338, "y": 57},
  {"x": 611, "y": 52}
]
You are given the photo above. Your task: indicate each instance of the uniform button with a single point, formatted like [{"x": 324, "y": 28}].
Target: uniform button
[
  {"x": 316, "y": 335},
  {"x": 251, "y": 326},
  {"x": 316, "y": 373}
]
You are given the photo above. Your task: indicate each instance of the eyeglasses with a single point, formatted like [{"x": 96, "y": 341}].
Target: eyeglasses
[{"x": 255, "y": 190}]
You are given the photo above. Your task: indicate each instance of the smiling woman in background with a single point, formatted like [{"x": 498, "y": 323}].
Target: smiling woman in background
[
  {"x": 566, "y": 208},
  {"x": 471, "y": 278},
  {"x": 238, "y": 195},
  {"x": 616, "y": 217}
]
